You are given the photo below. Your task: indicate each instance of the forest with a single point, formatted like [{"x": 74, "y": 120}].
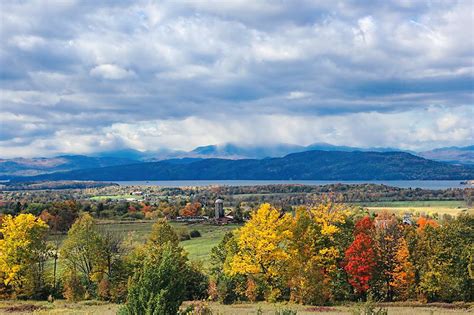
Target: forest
[{"x": 320, "y": 254}]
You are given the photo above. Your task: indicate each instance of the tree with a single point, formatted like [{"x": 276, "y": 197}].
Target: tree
[
  {"x": 23, "y": 252},
  {"x": 386, "y": 240},
  {"x": 403, "y": 274},
  {"x": 223, "y": 285},
  {"x": 360, "y": 259},
  {"x": 424, "y": 222},
  {"x": 443, "y": 260},
  {"x": 238, "y": 214},
  {"x": 191, "y": 209},
  {"x": 83, "y": 253},
  {"x": 161, "y": 233},
  {"x": 159, "y": 288},
  {"x": 263, "y": 248},
  {"x": 305, "y": 271}
]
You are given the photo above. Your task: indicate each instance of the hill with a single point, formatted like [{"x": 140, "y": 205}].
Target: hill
[
  {"x": 34, "y": 166},
  {"x": 310, "y": 165},
  {"x": 463, "y": 155}
]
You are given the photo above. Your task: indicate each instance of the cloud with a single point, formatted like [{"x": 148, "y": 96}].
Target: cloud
[
  {"x": 89, "y": 74},
  {"x": 111, "y": 72}
]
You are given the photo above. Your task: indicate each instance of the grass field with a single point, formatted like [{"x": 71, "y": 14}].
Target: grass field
[
  {"x": 198, "y": 248},
  {"x": 97, "y": 307},
  {"x": 451, "y": 207}
]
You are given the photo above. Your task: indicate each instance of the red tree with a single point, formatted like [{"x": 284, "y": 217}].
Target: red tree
[{"x": 360, "y": 258}]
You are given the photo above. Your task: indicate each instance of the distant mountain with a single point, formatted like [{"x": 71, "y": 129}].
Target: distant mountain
[
  {"x": 130, "y": 154},
  {"x": 310, "y": 165},
  {"x": 235, "y": 151},
  {"x": 329, "y": 147},
  {"x": 34, "y": 166},
  {"x": 462, "y": 155}
]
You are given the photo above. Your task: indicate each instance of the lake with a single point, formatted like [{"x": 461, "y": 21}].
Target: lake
[{"x": 424, "y": 184}]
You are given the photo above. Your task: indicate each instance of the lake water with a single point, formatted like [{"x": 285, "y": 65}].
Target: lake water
[{"x": 424, "y": 184}]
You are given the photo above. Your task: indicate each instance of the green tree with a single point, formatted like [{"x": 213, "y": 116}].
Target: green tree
[
  {"x": 225, "y": 285},
  {"x": 83, "y": 253}
]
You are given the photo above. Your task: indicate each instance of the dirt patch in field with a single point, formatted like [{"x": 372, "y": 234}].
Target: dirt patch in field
[{"x": 23, "y": 308}]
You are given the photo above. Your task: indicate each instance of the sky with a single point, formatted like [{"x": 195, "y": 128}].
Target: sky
[{"x": 80, "y": 77}]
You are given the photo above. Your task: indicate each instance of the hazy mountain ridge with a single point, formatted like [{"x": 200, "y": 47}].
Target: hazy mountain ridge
[
  {"x": 310, "y": 165},
  {"x": 462, "y": 155},
  {"x": 36, "y": 166}
]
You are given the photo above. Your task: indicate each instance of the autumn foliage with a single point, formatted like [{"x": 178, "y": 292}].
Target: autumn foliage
[
  {"x": 360, "y": 256},
  {"x": 316, "y": 254},
  {"x": 191, "y": 209}
]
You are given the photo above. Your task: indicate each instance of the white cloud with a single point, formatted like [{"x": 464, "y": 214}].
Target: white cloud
[
  {"x": 111, "y": 72},
  {"x": 150, "y": 74}
]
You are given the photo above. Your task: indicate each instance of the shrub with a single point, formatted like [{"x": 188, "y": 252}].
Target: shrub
[
  {"x": 159, "y": 287},
  {"x": 226, "y": 289},
  {"x": 197, "y": 283},
  {"x": 183, "y": 235},
  {"x": 74, "y": 290},
  {"x": 199, "y": 308},
  {"x": 103, "y": 289},
  {"x": 286, "y": 311},
  {"x": 368, "y": 308},
  {"x": 194, "y": 233}
]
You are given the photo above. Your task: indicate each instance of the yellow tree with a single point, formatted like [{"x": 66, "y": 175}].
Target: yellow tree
[
  {"x": 263, "y": 248},
  {"x": 22, "y": 250},
  {"x": 314, "y": 251},
  {"x": 403, "y": 275}
]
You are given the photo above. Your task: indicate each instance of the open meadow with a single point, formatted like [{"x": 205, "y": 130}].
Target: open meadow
[
  {"x": 428, "y": 207},
  {"x": 99, "y": 307}
]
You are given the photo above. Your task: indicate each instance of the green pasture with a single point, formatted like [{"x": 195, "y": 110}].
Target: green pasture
[
  {"x": 197, "y": 248},
  {"x": 452, "y": 204}
]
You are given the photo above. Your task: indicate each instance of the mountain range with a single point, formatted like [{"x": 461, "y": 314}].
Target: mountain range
[
  {"x": 308, "y": 165},
  {"x": 10, "y": 168}
]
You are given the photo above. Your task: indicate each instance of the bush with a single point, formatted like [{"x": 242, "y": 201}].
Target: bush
[
  {"x": 368, "y": 308},
  {"x": 74, "y": 290},
  {"x": 286, "y": 311},
  {"x": 197, "y": 283},
  {"x": 134, "y": 215},
  {"x": 159, "y": 287},
  {"x": 227, "y": 288},
  {"x": 183, "y": 234},
  {"x": 194, "y": 233},
  {"x": 199, "y": 308}
]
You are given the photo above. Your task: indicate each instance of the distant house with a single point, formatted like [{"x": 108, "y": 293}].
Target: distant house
[{"x": 407, "y": 219}]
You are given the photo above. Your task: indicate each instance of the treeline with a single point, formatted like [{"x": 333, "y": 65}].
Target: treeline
[
  {"x": 60, "y": 215},
  {"x": 281, "y": 194},
  {"x": 12, "y": 186},
  {"x": 317, "y": 255},
  {"x": 328, "y": 253},
  {"x": 303, "y": 194}
]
